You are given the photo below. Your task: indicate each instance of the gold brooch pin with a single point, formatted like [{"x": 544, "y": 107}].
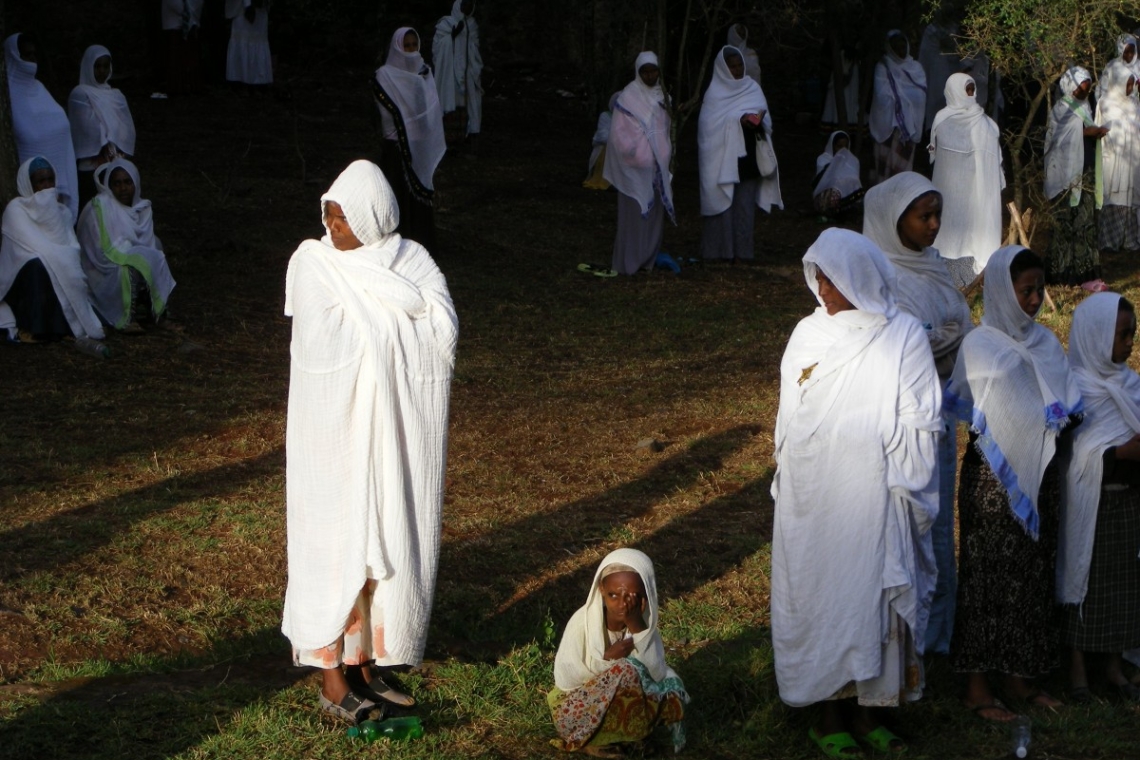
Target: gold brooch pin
[{"x": 806, "y": 374}]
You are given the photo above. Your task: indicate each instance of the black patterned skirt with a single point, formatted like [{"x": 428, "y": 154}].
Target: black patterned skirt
[
  {"x": 1109, "y": 618},
  {"x": 1006, "y": 619}
]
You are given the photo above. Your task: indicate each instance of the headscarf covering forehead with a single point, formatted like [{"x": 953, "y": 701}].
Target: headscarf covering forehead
[
  {"x": 366, "y": 198},
  {"x": 1123, "y": 41},
  {"x": 856, "y": 267},
  {"x": 646, "y": 56},
  {"x": 104, "y": 172},
  {"x": 1073, "y": 78},
  {"x": 885, "y": 204},
  {"x": 956, "y": 96},
  {"x": 401, "y": 59},
  {"x": 24, "y": 175},
  {"x": 87, "y": 66}
]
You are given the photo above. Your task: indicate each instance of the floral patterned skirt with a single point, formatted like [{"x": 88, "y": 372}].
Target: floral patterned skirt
[{"x": 620, "y": 704}]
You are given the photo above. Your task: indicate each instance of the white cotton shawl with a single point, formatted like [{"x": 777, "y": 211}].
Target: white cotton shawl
[
  {"x": 751, "y": 60},
  {"x": 99, "y": 113},
  {"x": 837, "y": 170},
  {"x": 1012, "y": 384},
  {"x": 114, "y": 238},
  {"x": 1111, "y": 394},
  {"x": 38, "y": 226},
  {"x": 459, "y": 65},
  {"x": 1122, "y": 42},
  {"x": 859, "y": 400},
  {"x": 965, "y": 149},
  {"x": 1120, "y": 148},
  {"x": 40, "y": 124},
  {"x": 581, "y": 653},
  {"x": 925, "y": 289},
  {"x": 638, "y": 151},
  {"x": 374, "y": 335},
  {"x": 409, "y": 82},
  {"x": 899, "y": 97},
  {"x": 720, "y": 139},
  {"x": 1065, "y": 138}
]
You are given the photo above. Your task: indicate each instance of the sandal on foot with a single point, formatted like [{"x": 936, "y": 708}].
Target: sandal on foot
[
  {"x": 352, "y": 708},
  {"x": 1041, "y": 698},
  {"x": 1080, "y": 695},
  {"x": 994, "y": 705},
  {"x": 377, "y": 690},
  {"x": 882, "y": 739},
  {"x": 838, "y": 745}
]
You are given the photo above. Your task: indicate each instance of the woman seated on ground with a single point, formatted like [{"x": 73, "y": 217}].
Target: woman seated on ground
[
  {"x": 126, "y": 268},
  {"x": 102, "y": 128},
  {"x": 836, "y": 188},
  {"x": 1097, "y": 570},
  {"x": 851, "y": 554},
  {"x": 41, "y": 280},
  {"x": 1013, "y": 387},
  {"x": 612, "y": 685}
]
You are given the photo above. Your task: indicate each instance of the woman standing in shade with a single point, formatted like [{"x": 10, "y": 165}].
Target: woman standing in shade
[
  {"x": 102, "y": 127},
  {"x": 1118, "y": 112},
  {"x": 898, "y": 108},
  {"x": 638, "y": 153}
]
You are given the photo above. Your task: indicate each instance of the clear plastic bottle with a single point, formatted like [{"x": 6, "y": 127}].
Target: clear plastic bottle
[
  {"x": 1019, "y": 736},
  {"x": 92, "y": 347},
  {"x": 396, "y": 729}
]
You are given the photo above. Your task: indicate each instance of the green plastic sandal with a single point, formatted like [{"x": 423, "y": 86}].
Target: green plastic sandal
[
  {"x": 837, "y": 745},
  {"x": 883, "y": 740}
]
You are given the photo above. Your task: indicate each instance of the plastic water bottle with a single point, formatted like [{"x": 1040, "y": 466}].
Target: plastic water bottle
[
  {"x": 92, "y": 347},
  {"x": 396, "y": 729},
  {"x": 1019, "y": 736}
]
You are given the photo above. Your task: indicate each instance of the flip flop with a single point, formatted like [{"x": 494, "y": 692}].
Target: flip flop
[
  {"x": 595, "y": 270},
  {"x": 882, "y": 739},
  {"x": 1041, "y": 698},
  {"x": 994, "y": 705},
  {"x": 837, "y": 745}
]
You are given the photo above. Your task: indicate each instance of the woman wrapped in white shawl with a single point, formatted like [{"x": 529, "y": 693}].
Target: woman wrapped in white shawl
[
  {"x": 965, "y": 149},
  {"x": 1125, "y": 54},
  {"x": 852, "y": 566},
  {"x": 374, "y": 335},
  {"x": 612, "y": 684},
  {"x": 43, "y": 291},
  {"x": 102, "y": 127},
  {"x": 459, "y": 71},
  {"x": 898, "y": 108},
  {"x": 638, "y": 153},
  {"x": 734, "y": 115},
  {"x": 837, "y": 187},
  {"x": 1118, "y": 112},
  {"x": 126, "y": 268},
  {"x": 1098, "y": 571}
]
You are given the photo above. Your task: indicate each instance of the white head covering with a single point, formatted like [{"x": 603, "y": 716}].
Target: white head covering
[
  {"x": 40, "y": 124},
  {"x": 838, "y": 170},
  {"x": 900, "y": 95},
  {"x": 720, "y": 138},
  {"x": 638, "y": 149},
  {"x": 1064, "y": 138},
  {"x": 581, "y": 653},
  {"x": 1111, "y": 394},
  {"x": 134, "y": 222},
  {"x": 740, "y": 42},
  {"x": 366, "y": 198},
  {"x": 1119, "y": 111},
  {"x": 1012, "y": 383},
  {"x": 855, "y": 266},
  {"x": 99, "y": 113},
  {"x": 409, "y": 83}
]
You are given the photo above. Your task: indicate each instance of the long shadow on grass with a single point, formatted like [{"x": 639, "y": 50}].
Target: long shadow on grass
[
  {"x": 477, "y": 605},
  {"x": 67, "y": 535},
  {"x": 179, "y": 704}
]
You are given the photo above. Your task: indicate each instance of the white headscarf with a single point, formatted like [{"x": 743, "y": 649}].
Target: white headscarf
[
  {"x": 1111, "y": 394},
  {"x": 751, "y": 60},
  {"x": 1122, "y": 42},
  {"x": 134, "y": 222},
  {"x": 581, "y": 653},
  {"x": 40, "y": 124},
  {"x": 837, "y": 170},
  {"x": 99, "y": 113},
  {"x": 1065, "y": 138},
  {"x": 925, "y": 288},
  {"x": 409, "y": 83},
  {"x": 1012, "y": 384},
  {"x": 720, "y": 138},
  {"x": 370, "y": 208},
  {"x": 899, "y": 100},
  {"x": 1120, "y": 148},
  {"x": 638, "y": 150}
]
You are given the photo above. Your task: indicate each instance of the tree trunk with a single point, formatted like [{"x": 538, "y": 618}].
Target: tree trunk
[{"x": 9, "y": 161}]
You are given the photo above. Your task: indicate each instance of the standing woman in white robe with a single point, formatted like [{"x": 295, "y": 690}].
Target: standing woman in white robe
[
  {"x": 638, "y": 153},
  {"x": 738, "y": 38},
  {"x": 248, "y": 57},
  {"x": 856, "y": 492},
  {"x": 734, "y": 113},
  {"x": 965, "y": 149},
  {"x": 123, "y": 259},
  {"x": 373, "y": 350},
  {"x": 40, "y": 124},
  {"x": 1074, "y": 182},
  {"x": 459, "y": 71},
  {"x": 898, "y": 108},
  {"x": 1126, "y": 54},
  {"x": 1118, "y": 112},
  {"x": 102, "y": 128},
  {"x": 903, "y": 217}
]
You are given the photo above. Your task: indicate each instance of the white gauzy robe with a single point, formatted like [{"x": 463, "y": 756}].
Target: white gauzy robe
[
  {"x": 374, "y": 336},
  {"x": 1120, "y": 148},
  {"x": 1065, "y": 140},
  {"x": 99, "y": 113},
  {"x": 898, "y": 99},
  {"x": 638, "y": 150},
  {"x": 248, "y": 57},
  {"x": 856, "y": 485},
  {"x": 965, "y": 149},
  {"x": 459, "y": 66}
]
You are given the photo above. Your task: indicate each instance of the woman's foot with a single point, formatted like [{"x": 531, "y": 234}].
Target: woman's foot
[{"x": 370, "y": 684}]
